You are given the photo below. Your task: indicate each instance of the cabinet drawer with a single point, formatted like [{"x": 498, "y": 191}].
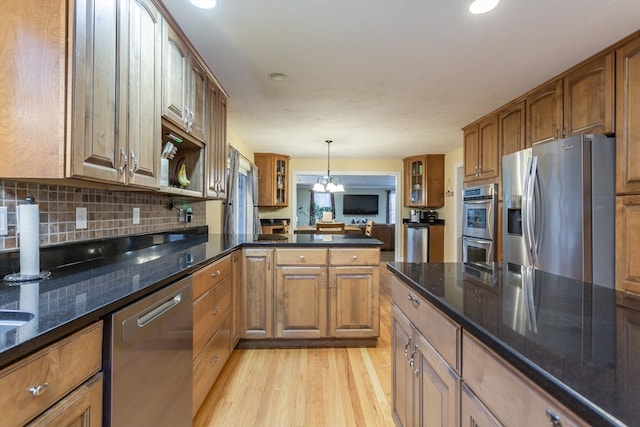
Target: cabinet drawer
[
  {"x": 301, "y": 256},
  {"x": 496, "y": 383},
  {"x": 354, "y": 256},
  {"x": 437, "y": 328},
  {"x": 209, "y": 276},
  {"x": 57, "y": 370},
  {"x": 209, "y": 363},
  {"x": 209, "y": 311}
]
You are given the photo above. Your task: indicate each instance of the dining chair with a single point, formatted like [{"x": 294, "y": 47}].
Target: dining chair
[
  {"x": 368, "y": 228},
  {"x": 330, "y": 228}
]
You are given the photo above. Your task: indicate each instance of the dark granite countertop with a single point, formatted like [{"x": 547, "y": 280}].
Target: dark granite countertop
[
  {"x": 92, "y": 279},
  {"x": 567, "y": 336}
]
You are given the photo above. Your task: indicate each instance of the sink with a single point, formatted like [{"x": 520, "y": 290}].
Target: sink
[{"x": 13, "y": 319}]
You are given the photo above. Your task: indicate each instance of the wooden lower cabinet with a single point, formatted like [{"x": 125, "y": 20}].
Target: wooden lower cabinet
[
  {"x": 237, "y": 311},
  {"x": 257, "y": 290},
  {"x": 354, "y": 302},
  {"x": 83, "y": 407},
  {"x": 473, "y": 411},
  {"x": 301, "y": 302},
  {"x": 494, "y": 382},
  {"x": 627, "y": 254},
  {"x": 69, "y": 367},
  {"x": 212, "y": 325},
  {"x": 426, "y": 390},
  {"x": 311, "y": 293}
]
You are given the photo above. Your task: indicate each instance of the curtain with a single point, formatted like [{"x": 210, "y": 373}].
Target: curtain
[
  {"x": 232, "y": 191},
  {"x": 257, "y": 228}
]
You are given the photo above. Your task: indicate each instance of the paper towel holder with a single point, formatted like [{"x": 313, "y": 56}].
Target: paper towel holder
[{"x": 19, "y": 278}]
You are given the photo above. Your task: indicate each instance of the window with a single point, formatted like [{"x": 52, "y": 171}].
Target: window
[
  {"x": 243, "y": 200},
  {"x": 391, "y": 207},
  {"x": 321, "y": 202}
]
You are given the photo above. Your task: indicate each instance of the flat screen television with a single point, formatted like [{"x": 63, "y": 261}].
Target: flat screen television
[{"x": 360, "y": 204}]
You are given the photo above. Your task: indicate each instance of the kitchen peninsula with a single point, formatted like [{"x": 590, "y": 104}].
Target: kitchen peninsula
[
  {"x": 91, "y": 280},
  {"x": 519, "y": 347}
]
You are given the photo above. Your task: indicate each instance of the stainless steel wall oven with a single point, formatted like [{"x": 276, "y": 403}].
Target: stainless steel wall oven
[{"x": 479, "y": 223}]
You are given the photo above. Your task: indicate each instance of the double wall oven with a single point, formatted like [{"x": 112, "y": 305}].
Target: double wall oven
[{"x": 480, "y": 205}]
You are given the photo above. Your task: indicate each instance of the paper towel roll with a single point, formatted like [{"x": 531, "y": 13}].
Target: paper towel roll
[{"x": 29, "y": 229}]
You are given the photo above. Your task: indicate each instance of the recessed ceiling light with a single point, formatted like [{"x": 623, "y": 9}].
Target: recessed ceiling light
[
  {"x": 277, "y": 77},
  {"x": 479, "y": 7},
  {"x": 204, "y": 4}
]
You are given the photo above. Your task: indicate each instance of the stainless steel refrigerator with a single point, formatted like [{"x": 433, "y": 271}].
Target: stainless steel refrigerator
[{"x": 559, "y": 208}]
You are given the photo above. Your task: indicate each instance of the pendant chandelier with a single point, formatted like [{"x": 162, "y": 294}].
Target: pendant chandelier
[{"x": 327, "y": 184}]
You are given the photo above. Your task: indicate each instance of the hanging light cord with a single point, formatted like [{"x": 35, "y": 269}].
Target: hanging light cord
[{"x": 328, "y": 141}]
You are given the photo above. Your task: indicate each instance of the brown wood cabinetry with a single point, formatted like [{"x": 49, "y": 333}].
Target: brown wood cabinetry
[
  {"x": 544, "y": 113},
  {"x": 184, "y": 85},
  {"x": 301, "y": 293},
  {"x": 627, "y": 254},
  {"x": 106, "y": 98},
  {"x": 212, "y": 323},
  {"x": 511, "y": 123},
  {"x": 589, "y": 97},
  {"x": 482, "y": 151},
  {"x": 424, "y": 181},
  {"x": 494, "y": 382},
  {"x": 257, "y": 292},
  {"x": 237, "y": 312},
  {"x": 217, "y": 143},
  {"x": 628, "y": 118},
  {"x": 273, "y": 179},
  {"x": 474, "y": 413},
  {"x": 58, "y": 369},
  {"x": 425, "y": 388}
]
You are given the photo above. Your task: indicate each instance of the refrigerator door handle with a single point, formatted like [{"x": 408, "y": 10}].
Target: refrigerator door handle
[
  {"x": 525, "y": 213},
  {"x": 532, "y": 211}
]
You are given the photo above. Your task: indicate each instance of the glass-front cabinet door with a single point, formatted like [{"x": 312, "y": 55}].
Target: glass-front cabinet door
[
  {"x": 414, "y": 191},
  {"x": 281, "y": 181},
  {"x": 273, "y": 172}
]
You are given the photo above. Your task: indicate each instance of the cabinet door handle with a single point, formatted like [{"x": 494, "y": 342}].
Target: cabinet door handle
[
  {"x": 215, "y": 310},
  {"x": 415, "y": 301},
  {"x": 215, "y": 273},
  {"x": 332, "y": 280},
  {"x": 301, "y": 258},
  {"x": 406, "y": 349},
  {"x": 268, "y": 262},
  {"x": 553, "y": 418},
  {"x": 124, "y": 160},
  {"x": 214, "y": 360},
  {"x": 412, "y": 364},
  {"x": 355, "y": 257},
  {"x": 134, "y": 161},
  {"x": 39, "y": 389}
]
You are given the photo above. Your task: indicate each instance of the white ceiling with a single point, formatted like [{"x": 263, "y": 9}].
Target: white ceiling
[{"x": 387, "y": 78}]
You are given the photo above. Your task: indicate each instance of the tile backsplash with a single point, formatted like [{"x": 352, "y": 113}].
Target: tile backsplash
[{"x": 109, "y": 213}]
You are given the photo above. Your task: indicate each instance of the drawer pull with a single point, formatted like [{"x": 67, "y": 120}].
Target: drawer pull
[
  {"x": 355, "y": 257},
  {"x": 38, "y": 390},
  {"x": 215, "y": 273},
  {"x": 215, "y": 310},
  {"x": 416, "y": 301},
  {"x": 302, "y": 258},
  {"x": 214, "y": 361},
  {"x": 553, "y": 418}
]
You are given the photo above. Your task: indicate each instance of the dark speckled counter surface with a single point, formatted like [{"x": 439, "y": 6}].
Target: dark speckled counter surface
[
  {"x": 569, "y": 337},
  {"x": 92, "y": 279}
]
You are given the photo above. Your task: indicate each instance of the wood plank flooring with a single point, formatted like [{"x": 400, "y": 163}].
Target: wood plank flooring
[{"x": 311, "y": 387}]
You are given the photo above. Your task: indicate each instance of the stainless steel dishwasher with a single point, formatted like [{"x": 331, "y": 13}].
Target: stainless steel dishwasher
[{"x": 150, "y": 360}]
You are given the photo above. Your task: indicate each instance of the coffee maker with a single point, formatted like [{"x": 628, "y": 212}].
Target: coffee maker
[{"x": 414, "y": 215}]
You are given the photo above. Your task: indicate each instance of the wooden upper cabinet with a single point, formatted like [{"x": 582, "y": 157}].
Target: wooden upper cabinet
[
  {"x": 628, "y": 118},
  {"x": 184, "y": 85},
  {"x": 424, "y": 181},
  {"x": 273, "y": 173},
  {"x": 32, "y": 133},
  {"x": 544, "y": 113},
  {"x": 140, "y": 91},
  {"x": 94, "y": 115},
  {"x": 102, "y": 102},
  {"x": 511, "y": 123},
  {"x": 482, "y": 151},
  {"x": 217, "y": 144},
  {"x": 589, "y": 97}
]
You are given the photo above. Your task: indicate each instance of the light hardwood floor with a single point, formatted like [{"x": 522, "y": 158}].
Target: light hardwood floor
[{"x": 311, "y": 387}]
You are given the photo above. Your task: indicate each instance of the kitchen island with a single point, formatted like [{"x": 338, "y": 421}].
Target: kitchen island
[{"x": 573, "y": 343}]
